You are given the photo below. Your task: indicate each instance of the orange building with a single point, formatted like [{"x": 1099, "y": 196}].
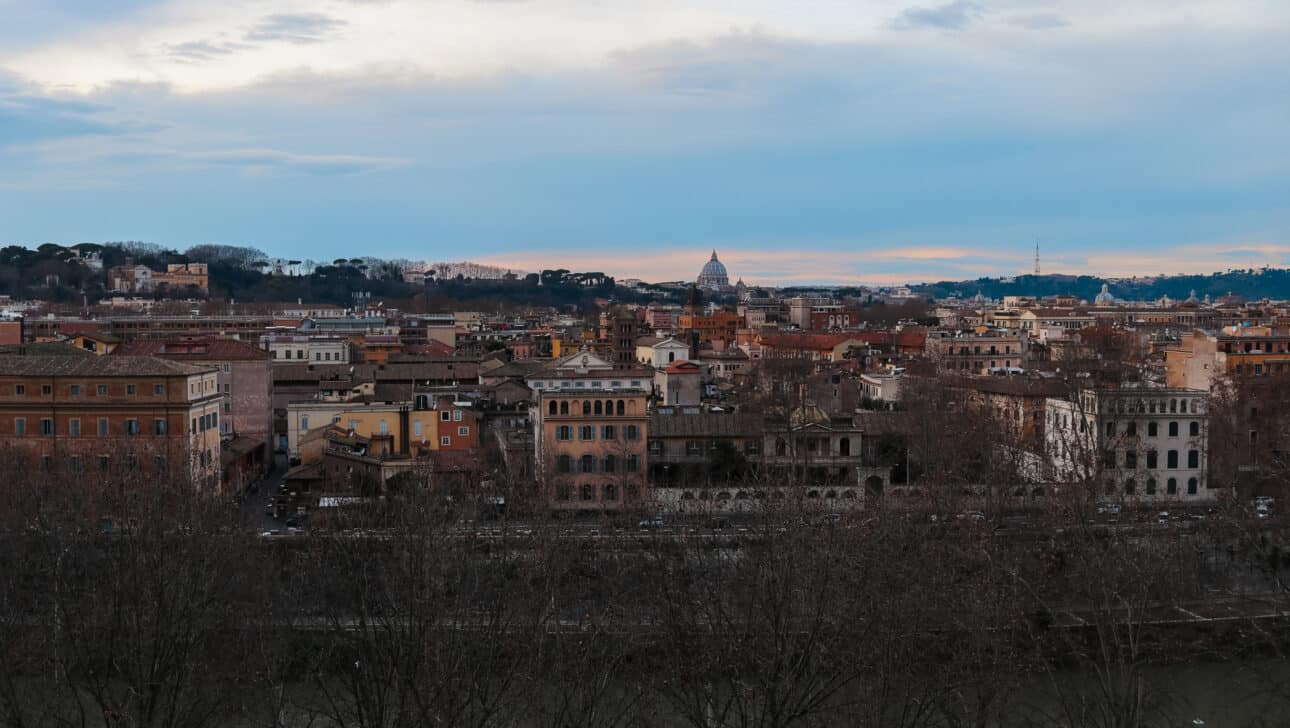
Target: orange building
[
  {"x": 720, "y": 326},
  {"x": 117, "y": 414},
  {"x": 589, "y": 425}
]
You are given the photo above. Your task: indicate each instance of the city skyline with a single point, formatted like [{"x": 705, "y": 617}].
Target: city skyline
[{"x": 887, "y": 142}]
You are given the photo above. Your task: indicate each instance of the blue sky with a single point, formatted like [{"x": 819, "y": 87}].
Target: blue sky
[{"x": 811, "y": 141}]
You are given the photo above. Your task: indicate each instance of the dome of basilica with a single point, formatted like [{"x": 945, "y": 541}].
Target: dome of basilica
[{"x": 714, "y": 274}]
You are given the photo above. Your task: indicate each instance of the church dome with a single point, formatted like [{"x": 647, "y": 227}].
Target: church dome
[{"x": 714, "y": 274}]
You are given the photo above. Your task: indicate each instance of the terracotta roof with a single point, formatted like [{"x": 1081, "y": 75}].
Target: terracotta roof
[
  {"x": 684, "y": 367},
  {"x": 213, "y": 349},
  {"x": 44, "y": 348},
  {"x": 706, "y": 424},
  {"x": 95, "y": 366}
]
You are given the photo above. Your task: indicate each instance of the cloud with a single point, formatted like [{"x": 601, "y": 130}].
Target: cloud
[
  {"x": 301, "y": 29},
  {"x": 199, "y": 51},
  {"x": 1039, "y": 21},
  {"x": 955, "y": 15},
  {"x": 259, "y": 160},
  {"x": 25, "y": 119}
]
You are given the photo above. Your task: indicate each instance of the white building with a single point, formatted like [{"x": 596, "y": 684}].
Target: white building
[
  {"x": 294, "y": 349},
  {"x": 1146, "y": 443},
  {"x": 660, "y": 354}
]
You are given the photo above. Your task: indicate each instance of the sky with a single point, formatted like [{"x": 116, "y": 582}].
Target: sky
[{"x": 807, "y": 141}]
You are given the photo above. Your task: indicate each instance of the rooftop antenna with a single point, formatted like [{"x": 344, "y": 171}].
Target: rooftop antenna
[{"x": 1036, "y": 257}]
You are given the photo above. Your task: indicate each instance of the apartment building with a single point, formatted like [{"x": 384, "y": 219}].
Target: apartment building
[
  {"x": 1145, "y": 443},
  {"x": 1202, "y": 357},
  {"x": 590, "y": 427},
  {"x": 292, "y": 349},
  {"x": 980, "y": 352},
  {"x": 111, "y": 415}
]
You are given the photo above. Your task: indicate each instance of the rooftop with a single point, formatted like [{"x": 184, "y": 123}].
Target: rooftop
[{"x": 95, "y": 366}]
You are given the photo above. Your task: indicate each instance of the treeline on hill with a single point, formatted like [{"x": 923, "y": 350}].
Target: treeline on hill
[
  {"x": 56, "y": 273},
  {"x": 1250, "y": 283}
]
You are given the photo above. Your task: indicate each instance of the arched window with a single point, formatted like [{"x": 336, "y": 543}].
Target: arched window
[
  {"x": 611, "y": 464},
  {"x": 621, "y": 409},
  {"x": 1193, "y": 458},
  {"x": 1193, "y": 428},
  {"x": 1130, "y": 486},
  {"x": 1192, "y": 484},
  {"x": 1151, "y": 486},
  {"x": 611, "y": 492},
  {"x": 1173, "y": 405},
  {"x": 1171, "y": 486},
  {"x": 586, "y": 408},
  {"x": 587, "y": 464},
  {"x": 600, "y": 409},
  {"x": 553, "y": 408},
  {"x": 564, "y": 408},
  {"x": 1173, "y": 429}
]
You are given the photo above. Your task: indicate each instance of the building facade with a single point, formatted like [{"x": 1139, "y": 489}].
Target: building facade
[
  {"x": 1140, "y": 443},
  {"x": 111, "y": 415}
]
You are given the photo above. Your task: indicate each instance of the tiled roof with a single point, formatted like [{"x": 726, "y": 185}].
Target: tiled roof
[
  {"x": 706, "y": 424},
  {"x": 95, "y": 366},
  {"x": 44, "y": 348},
  {"x": 213, "y": 349}
]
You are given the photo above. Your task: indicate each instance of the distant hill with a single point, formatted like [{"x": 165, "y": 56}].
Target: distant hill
[{"x": 1251, "y": 284}]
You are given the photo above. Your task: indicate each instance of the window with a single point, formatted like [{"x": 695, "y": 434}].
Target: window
[
  {"x": 76, "y": 390},
  {"x": 1131, "y": 429},
  {"x": 416, "y": 428},
  {"x": 383, "y": 428},
  {"x": 608, "y": 433},
  {"x": 1172, "y": 459},
  {"x": 586, "y": 464},
  {"x": 1153, "y": 459},
  {"x": 587, "y": 493},
  {"x": 633, "y": 464},
  {"x": 610, "y": 464},
  {"x": 226, "y": 388},
  {"x": 131, "y": 389},
  {"x": 611, "y": 492},
  {"x": 564, "y": 492},
  {"x": 1131, "y": 459},
  {"x": 632, "y": 432},
  {"x": 456, "y": 415},
  {"x": 564, "y": 408},
  {"x": 103, "y": 390},
  {"x": 564, "y": 432},
  {"x": 564, "y": 464},
  {"x": 159, "y": 389},
  {"x": 104, "y": 463},
  {"x": 1153, "y": 429},
  {"x": 445, "y": 440},
  {"x": 46, "y": 389},
  {"x": 587, "y": 432},
  {"x": 1193, "y": 428},
  {"x": 1193, "y": 458},
  {"x": 317, "y": 356},
  {"x": 1173, "y": 429},
  {"x": 463, "y": 431},
  {"x": 1110, "y": 428},
  {"x": 1171, "y": 486},
  {"x": 304, "y": 422},
  {"x": 586, "y": 407},
  {"x": 46, "y": 426},
  {"x": 620, "y": 408},
  {"x": 1151, "y": 486},
  {"x": 159, "y": 427},
  {"x": 19, "y": 389},
  {"x": 132, "y": 427},
  {"x": 19, "y": 426},
  {"x": 193, "y": 428},
  {"x": 552, "y": 409},
  {"x": 74, "y": 427},
  {"x": 445, "y": 416}
]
